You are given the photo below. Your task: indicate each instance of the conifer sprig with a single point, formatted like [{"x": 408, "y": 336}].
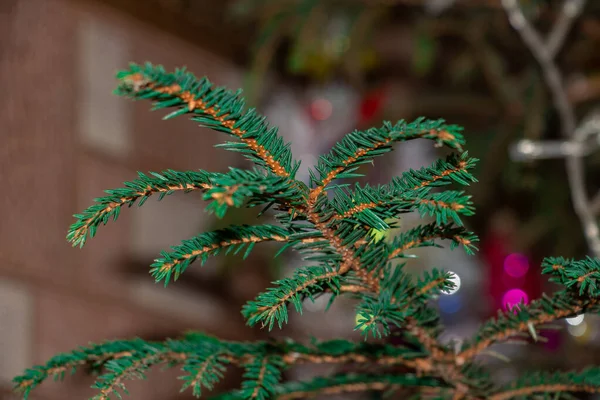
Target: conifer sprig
[
  {"x": 204, "y": 360},
  {"x": 360, "y": 147},
  {"x": 351, "y": 383},
  {"x": 426, "y": 235},
  {"x": 232, "y": 239},
  {"x": 556, "y": 385},
  {"x": 526, "y": 319},
  {"x": 138, "y": 190},
  {"x": 335, "y": 236},
  {"x": 579, "y": 276},
  {"x": 213, "y": 107}
]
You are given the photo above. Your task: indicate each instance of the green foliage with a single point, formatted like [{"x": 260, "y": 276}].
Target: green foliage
[
  {"x": 334, "y": 235},
  {"x": 582, "y": 275},
  {"x": 230, "y": 240},
  {"x": 360, "y": 147}
]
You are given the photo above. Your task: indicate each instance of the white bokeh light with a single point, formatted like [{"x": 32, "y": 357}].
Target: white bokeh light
[
  {"x": 574, "y": 321},
  {"x": 578, "y": 330},
  {"x": 454, "y": 278}
]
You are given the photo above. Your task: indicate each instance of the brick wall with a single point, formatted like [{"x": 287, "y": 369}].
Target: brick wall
[{"x": 63, "y": 139}]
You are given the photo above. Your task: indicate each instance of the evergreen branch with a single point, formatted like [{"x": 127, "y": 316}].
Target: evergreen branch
[
  {"x": 581, "y": 274},
  {"x": 425, "y": 235},
  {"x": 372, "y": 206},
  {"x": 204, "y": 371},
  {"x": 262, "y": 375},
  {"x": 341, "y": 351},
  {"x": 140, "y": 189},
  {"x": 94, "y": 356},
  {"x": 238, "y": 186},
  {"x": 351, "y": 383},
  {"x": 587, "y": 380},
  {"x": 233, "y": 238},
  {"x": 230, "y": 189},
  {"x": 445, "y": 206},
  {"x": 525, "y": 318},
  {"x": 271, "y": 306},
  {"x": 410, "y": 185},
  {"x": 345, "y": 239},
  {"x": 454, "y": 169},
  {"x": 397, "y": 299},
  {"x": 131, "y": 367},
  {"x": 213, "y": 107},
  {"x": 359, "y": 147},
  {"x": 432, "y": 283}
]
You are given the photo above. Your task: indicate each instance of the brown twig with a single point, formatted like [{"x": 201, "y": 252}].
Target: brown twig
[{"x": 545, "y": 52}]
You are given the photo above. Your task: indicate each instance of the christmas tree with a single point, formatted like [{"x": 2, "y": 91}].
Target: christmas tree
[{"x": 337, "y": 228}]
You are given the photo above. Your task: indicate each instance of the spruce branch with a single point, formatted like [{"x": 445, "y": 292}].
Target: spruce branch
[
  {"x": 336, "y": 237},
  {"x": 204, "y": 360},
  {"x": 426, "y": 235},
  {"x": 125, "y": 368},
  {"x": 270, "y": 307},
  {"x": 253, "y": 187},
  {"x": 350, "y": 383},
  {"x": 371, "y": 206},
  {"x": 224, "y": 190},
  {"x": 231, "y": 239},
  {"x": 262, "y": 375},
  {"x": 95, "y": 357},
  {"x": 579, "y": 276},
  {"x": 213, "y": 107},
  {"x": 360, "y": 147},
  {"x": 398, "y": 300},
  {"x": 524, "y": 319},
  {"x": 587, "y": 380},
  {"x": 139, "y": 190}
]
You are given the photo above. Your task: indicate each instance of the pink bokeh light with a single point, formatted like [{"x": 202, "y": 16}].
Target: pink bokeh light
[
  {"x": 514, "y": 297},
  {"x": 516, "y": 265}
]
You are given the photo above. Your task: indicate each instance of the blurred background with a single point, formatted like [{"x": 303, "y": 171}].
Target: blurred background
[{"x": 317, "y": 69}]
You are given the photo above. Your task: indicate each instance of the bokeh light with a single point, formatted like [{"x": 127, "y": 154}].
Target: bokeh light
[
  {"x": 454, "y": 278},
  {"x": 578, "y": 330},
  {"x": 574, "y": 321},
  {"x": 321, "y": 109},
  {"x": 516, "y": 265},
  {"x": 514, "y": 297},
  {"x": 450, "y": 304}
]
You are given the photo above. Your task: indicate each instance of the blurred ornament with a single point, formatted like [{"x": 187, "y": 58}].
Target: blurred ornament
[
  {"x": 321, "y": 109},
  {"x": 516, "y": 265},
  {"x": 371, "y": 105}
]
